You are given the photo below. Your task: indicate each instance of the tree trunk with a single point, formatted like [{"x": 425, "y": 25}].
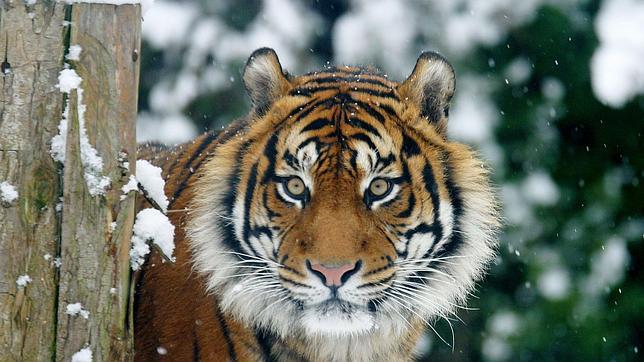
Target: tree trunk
[
  {"x": 91, "y": 235},
  {"x": 32, "y": 53}
]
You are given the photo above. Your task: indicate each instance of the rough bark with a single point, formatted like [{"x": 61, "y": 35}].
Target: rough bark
[
  {"x": 95, "y": 261},
  {"x": 95, "y": 269},
  {"x": 31, "y": 51}
]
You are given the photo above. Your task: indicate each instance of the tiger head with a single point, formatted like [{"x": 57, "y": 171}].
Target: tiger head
[{"x": 339, "y": 206}]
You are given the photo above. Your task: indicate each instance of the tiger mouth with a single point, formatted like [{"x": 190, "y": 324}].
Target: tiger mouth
[{"x": 336, "y": 305}]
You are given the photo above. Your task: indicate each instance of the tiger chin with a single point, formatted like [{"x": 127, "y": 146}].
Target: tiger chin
[{"x": 335, "y": 222}]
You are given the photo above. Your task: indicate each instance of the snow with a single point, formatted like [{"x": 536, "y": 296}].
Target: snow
[
  {"x": 23, "y": 280},
  {"x": 616, "y": 66},
  {"x": 169, "y": 129},
  {"x": 8, "y": 193},
  {"x": 168, "y": 96},
  {"x": 504, "y": 323},
  {"x": 608, "y": 267},
  {"x": 149, "y": 176},
  {"x": 553, "y": 89},
  {"x": 167, "y": 23},
  {"x": 162, "y": 351},
  {"x": 74, "y": 53},
  {"x": 152, "y": 225},
  {"x": 540, "y": 189},
  {"x": 131, "y": 185},
  {"x": 515, "y": 209},
  {"x": 84, "y": 355},
  {"x": 519, "y": 70},
  {"x": 473, "y": 115},
  {"x": 554, "y": 283},
  {"x": 205, "y": 44},
  {"x": 75, "y": 309},
  {"x": 364, "y": 35},
  {"x": 69, "y": 80},
  {"x": 495, "y": 349}
]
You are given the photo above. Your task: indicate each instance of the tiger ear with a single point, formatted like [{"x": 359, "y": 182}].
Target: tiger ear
[
  {"x": 431, "y": 87},
  {"x": 264, "y": 79}
]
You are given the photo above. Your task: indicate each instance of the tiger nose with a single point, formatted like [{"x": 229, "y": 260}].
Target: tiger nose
[{"x": 334, "y": 275}]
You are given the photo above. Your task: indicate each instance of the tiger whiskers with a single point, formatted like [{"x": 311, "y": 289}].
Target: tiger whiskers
[
  {"x": 399, "y": 299},
  {"x": 259, "y": 258}
]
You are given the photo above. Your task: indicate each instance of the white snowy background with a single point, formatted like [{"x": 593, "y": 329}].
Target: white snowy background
[{"x": 527, "y": 73}]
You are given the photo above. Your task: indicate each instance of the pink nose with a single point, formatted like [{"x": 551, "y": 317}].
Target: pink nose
[{"x": 334, "y": 275}]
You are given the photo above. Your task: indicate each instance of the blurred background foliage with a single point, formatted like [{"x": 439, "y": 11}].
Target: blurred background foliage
[{"x": 549, "y": 92}]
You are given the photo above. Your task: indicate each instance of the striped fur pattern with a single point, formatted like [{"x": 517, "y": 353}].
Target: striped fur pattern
[{"x": 249, "y": 248}]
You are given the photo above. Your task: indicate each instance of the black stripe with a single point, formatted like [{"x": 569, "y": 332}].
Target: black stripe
[
  {"x": 226, "y": 333},
  {"x": 265, "y": 340},
  {"x": 196, "y": 350},
  {"x": 390, "y": 111},
  {"x": 409, "y": 146},
  {"x": 248, "y": 199},
  {"x": 358, "y": 123},
  {"x": 229, "y": 201},
  {"x": 372, "y": 112},
  {"x": 202, "y": 146},
  {"x": 296, "y": 283},
  {"x": 411, "y": 203},
  {"x": 372, "y": 92},
  {"x": 432, "y": 188},
  {"x": 364, "y": 138},
  {"x": 422, "y": 228},
  {"x": 377, "y": 282},
  {"x": 456, "y": 238},
  {"x": 317, "y": 124},
  {"x": 270, "y": 152},
  {"x": 309, "y": 91},
  {"x": 353, "y": 78},
  {"x": 294, "y": 271}
]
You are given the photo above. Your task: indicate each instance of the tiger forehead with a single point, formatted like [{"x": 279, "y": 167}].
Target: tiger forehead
[{"x": 346, "y": 76}]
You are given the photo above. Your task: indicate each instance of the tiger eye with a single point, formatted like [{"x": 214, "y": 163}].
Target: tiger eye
[
  {"x": 295, "y": 186},
  {"x": 379, "y": 187}
]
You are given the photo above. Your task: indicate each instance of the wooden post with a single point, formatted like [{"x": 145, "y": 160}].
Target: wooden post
[
  {"x": 91, "y": 235},
  {"x": 95, "y": 267},
  {"x": 31, "y": 53}
]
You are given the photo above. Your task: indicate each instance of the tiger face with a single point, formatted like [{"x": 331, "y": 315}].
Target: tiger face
[{"x": 339, "y": 207}]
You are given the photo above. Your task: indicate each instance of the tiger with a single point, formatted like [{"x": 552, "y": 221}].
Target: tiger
[{"x": 335, "y": 222}]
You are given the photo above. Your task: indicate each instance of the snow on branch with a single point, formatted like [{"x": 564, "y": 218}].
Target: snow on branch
[
  {"x": 152, "y": 184},
  {"x": 151, "y": 225}
]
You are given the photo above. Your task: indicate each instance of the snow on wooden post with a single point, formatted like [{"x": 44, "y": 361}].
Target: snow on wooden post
[
  {"x": 100, "y": 154},
  {"x": 31, "y": 46}
]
